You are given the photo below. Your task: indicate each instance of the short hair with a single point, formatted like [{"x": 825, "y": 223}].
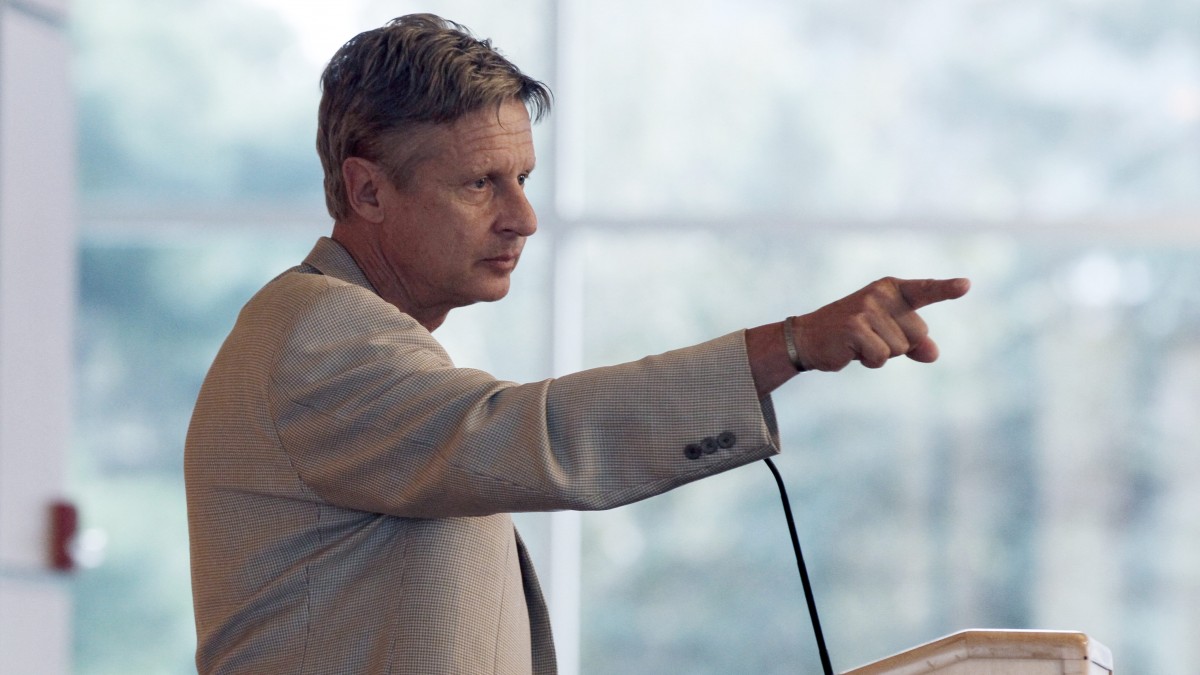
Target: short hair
[{"x": 417, "y": 69}]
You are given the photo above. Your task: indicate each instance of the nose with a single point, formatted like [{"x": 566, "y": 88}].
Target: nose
[{"x": 518, "y": 215}]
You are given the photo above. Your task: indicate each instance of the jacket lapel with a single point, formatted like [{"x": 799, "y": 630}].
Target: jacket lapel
[{"x": 544, "y": 660}]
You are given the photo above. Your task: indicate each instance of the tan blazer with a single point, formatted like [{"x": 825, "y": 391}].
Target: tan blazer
[{"x": 348, "y": 488}]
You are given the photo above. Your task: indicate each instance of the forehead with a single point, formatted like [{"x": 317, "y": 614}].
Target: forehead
[
  {"x": 507, "y": 121},
  {"x": 499, "y": 136}
]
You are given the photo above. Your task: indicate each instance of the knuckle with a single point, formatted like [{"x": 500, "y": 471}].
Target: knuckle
[
  {"x": 879, "y": 292},
  {"x": 858, "y": 323}
]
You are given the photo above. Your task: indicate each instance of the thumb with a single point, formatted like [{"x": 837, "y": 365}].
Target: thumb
[
  {"x": 925, "y": 351},
  {"x": 921, "y": 292}
]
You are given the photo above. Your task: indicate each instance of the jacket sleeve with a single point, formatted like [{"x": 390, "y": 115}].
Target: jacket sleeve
[{"x": 374, "y": 416}]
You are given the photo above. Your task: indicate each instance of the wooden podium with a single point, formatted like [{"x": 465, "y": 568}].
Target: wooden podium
[{"x": 999, "y": 652}]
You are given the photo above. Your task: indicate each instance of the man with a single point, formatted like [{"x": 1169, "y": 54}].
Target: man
[{"x": 349, "y": 488}]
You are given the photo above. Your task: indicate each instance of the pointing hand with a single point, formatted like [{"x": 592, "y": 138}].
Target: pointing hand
[{"x": 874, "y": 324}]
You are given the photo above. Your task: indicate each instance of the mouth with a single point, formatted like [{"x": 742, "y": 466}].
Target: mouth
[{"x": 504, "y": 263}]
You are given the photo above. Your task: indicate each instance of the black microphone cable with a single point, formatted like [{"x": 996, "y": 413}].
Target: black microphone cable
[{"x": 808, "y": 593}]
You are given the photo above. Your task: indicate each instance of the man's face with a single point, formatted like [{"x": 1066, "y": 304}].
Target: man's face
[{"x": 454, "y": 230}]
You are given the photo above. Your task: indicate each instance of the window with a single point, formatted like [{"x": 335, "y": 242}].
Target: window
[{"x": 709, "y": 168}]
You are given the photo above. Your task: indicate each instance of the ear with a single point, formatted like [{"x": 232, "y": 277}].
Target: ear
[{"x": 364, "y": 180}]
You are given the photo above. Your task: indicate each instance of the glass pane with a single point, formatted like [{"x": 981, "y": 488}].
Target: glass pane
[
  {"x": 1039, "y": 475},
  {"x": 184, "y": 103},
  {"x": 871, "y": 109},
  {"x": 152, "y": 314}
]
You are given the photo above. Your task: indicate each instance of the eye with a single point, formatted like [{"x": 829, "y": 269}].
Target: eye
[
  {"x": 479, "y": 183},
  {"x": 522, "y": 178}
]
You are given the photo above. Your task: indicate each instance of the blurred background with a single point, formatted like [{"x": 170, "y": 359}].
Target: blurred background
[{"x": 712, "y": 165}]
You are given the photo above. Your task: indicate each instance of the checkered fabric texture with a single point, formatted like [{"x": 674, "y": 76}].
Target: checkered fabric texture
[{"x": 349, "y": 488}]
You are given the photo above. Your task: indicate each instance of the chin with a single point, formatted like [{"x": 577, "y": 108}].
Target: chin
[{"x": 492, "y": 292}]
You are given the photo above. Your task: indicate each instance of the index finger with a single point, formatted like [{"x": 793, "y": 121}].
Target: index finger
[{"x": 921, "y": 292}]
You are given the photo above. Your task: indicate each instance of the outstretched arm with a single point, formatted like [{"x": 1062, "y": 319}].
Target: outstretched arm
[{"x": 871, "y": 326}]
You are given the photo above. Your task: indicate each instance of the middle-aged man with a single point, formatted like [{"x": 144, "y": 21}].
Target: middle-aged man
[{"x": 349, "y": 488}]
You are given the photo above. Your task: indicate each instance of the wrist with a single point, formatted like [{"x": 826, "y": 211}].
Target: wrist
[
  {"x": 769, "y": 364},
  {"x": 789, "y": 343}
]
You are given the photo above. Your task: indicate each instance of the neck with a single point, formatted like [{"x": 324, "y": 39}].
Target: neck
[{"x": 375, "y": 266}]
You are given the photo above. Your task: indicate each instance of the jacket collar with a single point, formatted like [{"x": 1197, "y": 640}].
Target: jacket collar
[{"x": 331, "y": 259}]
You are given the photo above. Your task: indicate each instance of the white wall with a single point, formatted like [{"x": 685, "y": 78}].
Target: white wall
[{"x": 37, "y": 296}]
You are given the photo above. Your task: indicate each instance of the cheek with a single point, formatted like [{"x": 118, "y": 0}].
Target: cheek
[
  {"x": 448, "y": 235},
  {"x": 463, "y": 231},
  {"x": 446, "y": 247}
]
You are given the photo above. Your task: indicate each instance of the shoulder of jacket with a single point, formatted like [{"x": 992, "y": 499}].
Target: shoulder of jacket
[
  {"x": 303, "y": 285},
  {"x": 307, "y": 296}
]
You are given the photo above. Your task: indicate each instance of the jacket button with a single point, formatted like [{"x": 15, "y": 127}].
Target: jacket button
[
  {"x": 709, "y": 445},
  {"x": 693, "y": 451},
  {"x": 726, "y": 440}
]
